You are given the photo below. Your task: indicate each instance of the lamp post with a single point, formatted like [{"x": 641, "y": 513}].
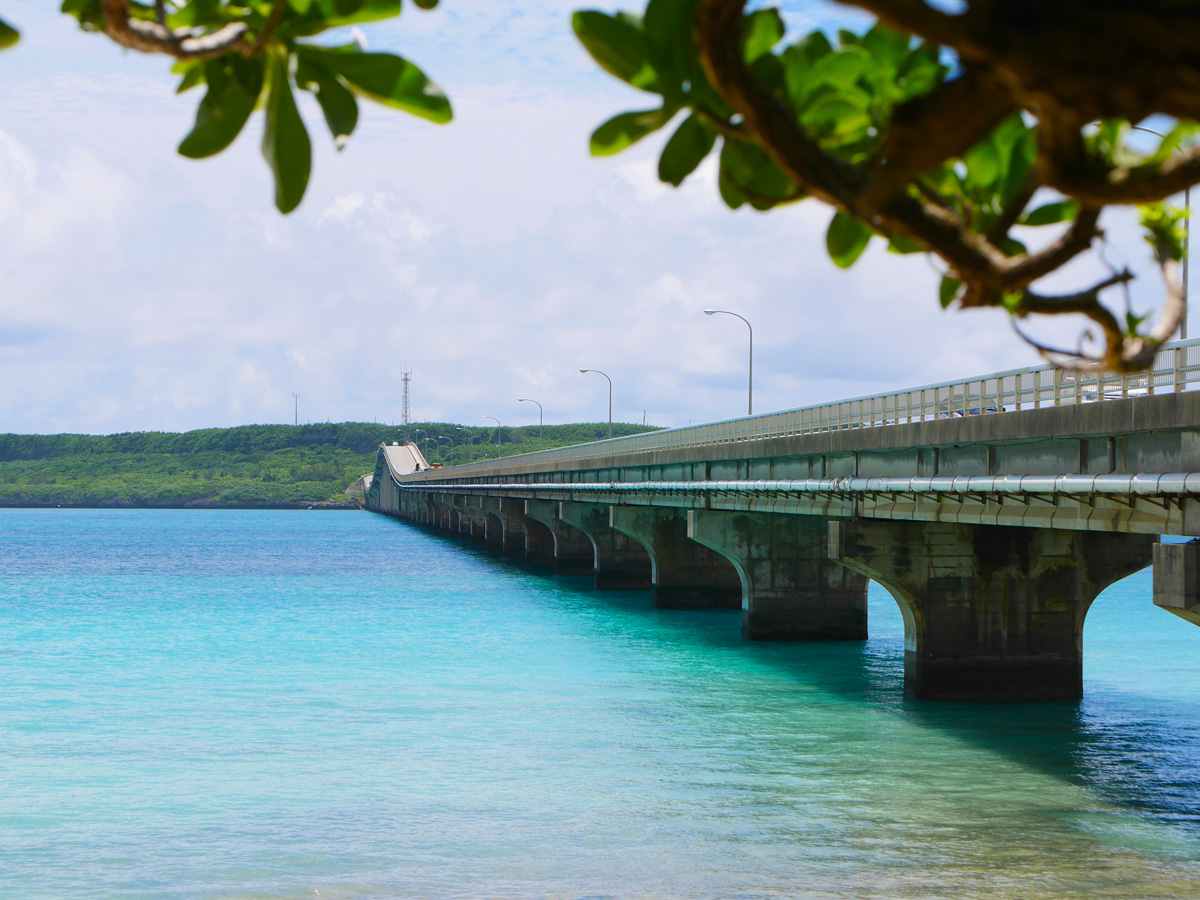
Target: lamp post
[
  {"x": 470, "y": 441},
  {"x": 439, "y": 440},
  {"x": 1187, "y": 240},
  {"x": 419, "y": 431},
  {"x": 497, "y": 421},
  {"x": 598, "y": 372},
  {"x": 539, "y": 406},
  {"x": 750, "y": 388}
]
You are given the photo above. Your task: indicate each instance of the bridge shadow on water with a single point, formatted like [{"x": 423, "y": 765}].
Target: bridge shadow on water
[{"x": 1135, "y": 748}]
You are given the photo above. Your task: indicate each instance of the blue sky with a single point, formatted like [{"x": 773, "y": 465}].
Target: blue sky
[{"x": 140, "y": 290}]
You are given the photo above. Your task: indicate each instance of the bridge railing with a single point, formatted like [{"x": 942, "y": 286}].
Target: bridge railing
[{"x": 1176, "y": 368}]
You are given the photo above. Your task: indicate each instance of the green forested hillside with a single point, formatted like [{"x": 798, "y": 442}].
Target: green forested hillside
[{"x": 251, "y": 466}]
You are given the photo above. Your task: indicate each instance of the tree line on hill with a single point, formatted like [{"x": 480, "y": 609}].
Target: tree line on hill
[{"x": 247, "y": 467}]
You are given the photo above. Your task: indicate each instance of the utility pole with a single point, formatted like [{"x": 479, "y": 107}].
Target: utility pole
[
  {"x": 406, "y": 377},
  {"x": 296, "y": 398}
]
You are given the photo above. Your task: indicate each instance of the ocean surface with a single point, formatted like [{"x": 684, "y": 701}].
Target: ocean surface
[{"x": 338, "y": 705}]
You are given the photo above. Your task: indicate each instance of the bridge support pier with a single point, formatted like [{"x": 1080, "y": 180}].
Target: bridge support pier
[
  {"x": 539, "y": 542},
  {"x": 573, "y": 552},
  {"x": 1177, "y": 579},
  {"x": 512, "y": 532},
  {"x": 991, "y": 612},
  {"x": 472, "y": 525},
  {"x": 685, "y": 574},
  {"x": 621, "y": 564},
  {"x": 791, "y": 590}
]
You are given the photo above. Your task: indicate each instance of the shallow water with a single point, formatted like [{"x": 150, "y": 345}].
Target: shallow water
[{"x": 281, "y": 704}]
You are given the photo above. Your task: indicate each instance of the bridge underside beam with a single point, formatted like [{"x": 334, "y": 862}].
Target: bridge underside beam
[
  {"x": 791, "y": 590},
  {"x": 621, "y": 563},
  {"x": 573, "y": 551},
  {"x": 686, "y": 574},
  {"x": 990, "y": 612}
]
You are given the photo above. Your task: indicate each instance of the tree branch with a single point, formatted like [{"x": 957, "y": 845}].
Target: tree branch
[
  {"x": 1075, "y": 240},
  {"x": 923, "y": 132},
  {"x": 269, "y": 28},
  {"x": 918, "y": 17},
  {"x": 1136, "y": 185},
  {"x": 718, "y": 34},
  {"x": 153, "y": 37},
  {"x": 1008, "y": 217}
]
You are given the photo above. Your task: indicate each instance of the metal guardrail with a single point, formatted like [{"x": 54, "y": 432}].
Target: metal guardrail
[
  {"x": 1176, "y": 369},
  {"x": 1171, "y": 484}
]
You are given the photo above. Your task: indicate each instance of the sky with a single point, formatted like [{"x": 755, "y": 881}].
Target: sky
[{"x": 493, "y": 256}]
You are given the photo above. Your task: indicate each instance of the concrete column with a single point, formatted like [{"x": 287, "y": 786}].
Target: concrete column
[
  {"x": 573, "y": 551},
  {"x": 476, "y": 526},
  {"x": 991, "y": 612},
  {"x": 493, "y": 531},
  {"x": 512, "y": 530},
  {"x": 1177, "y": 579},
  {"x": 685, "y": 574},
  {"x": 471, "y": 509},
  {"x": 449, "y": 515},
  {"x": 621, "y": 563},
  {"x": 791, "y": 591},
  {"x": 539, "y": 542}
]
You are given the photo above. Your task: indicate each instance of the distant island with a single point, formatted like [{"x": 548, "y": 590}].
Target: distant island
[{"x": 247, "y": 467}]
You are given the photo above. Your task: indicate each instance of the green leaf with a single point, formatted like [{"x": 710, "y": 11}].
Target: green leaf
[
  {"x": 1172, "y": 141},
  {"x": 761, "y": 31},
  {"x": 1165, "y": 229},
  {"x": 691, "y": 142},
  {"x": 886, "y": 45},
  {"x": 837, "y": 116},
  {"x": 384, "y": 78},
  {"x": 984, "y": 164},
  {"x": 618, "y": 46},
  {"x": 949, "y": 290},
  {"x": 285, "y": 143},
  {"x": 628, "y": 128},
  {"x": 1050, "y": 214},
  {"x": 811, "y": 47},
  {"x": 338, "y": 104},
  {"x": 1012, "y": 247},
  {"x": 221, "y": 114},
  {"x": 192, "y": 76},
  {"x": 8, "y": 35},
  {"x": 839, "y": 70},
  {"x": 668, "y": 29},
  {"x": 755, "y": 175},
  {"x": 1021, "y": 157},
  {"x": 846, "y": 239},
  {"x": 323, "y": 15},
  {"x": 900, "y": 244}
]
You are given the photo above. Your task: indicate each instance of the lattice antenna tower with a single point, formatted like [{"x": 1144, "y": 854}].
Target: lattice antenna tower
[{"x": 405, "y": 413}]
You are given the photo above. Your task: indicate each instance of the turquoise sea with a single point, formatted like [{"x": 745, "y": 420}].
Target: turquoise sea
[{"x": 339, "y": 705}]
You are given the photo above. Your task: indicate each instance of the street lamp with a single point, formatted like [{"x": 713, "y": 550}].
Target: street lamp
[
  {"x": 440, "y": 439},
  {"x": 419, "y": 431},
  {"x": 539, "y": 406},
  {"x": 598, "y": 372},
  {"x": 497, "y": 421},
  {"x": 470, "y": 441},
  {"x": 750, "y": 389},
  {"x": 1187, "y": 240}
]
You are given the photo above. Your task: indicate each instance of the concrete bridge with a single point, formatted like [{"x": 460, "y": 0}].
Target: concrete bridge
[{"x": 994, "y": 510}]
